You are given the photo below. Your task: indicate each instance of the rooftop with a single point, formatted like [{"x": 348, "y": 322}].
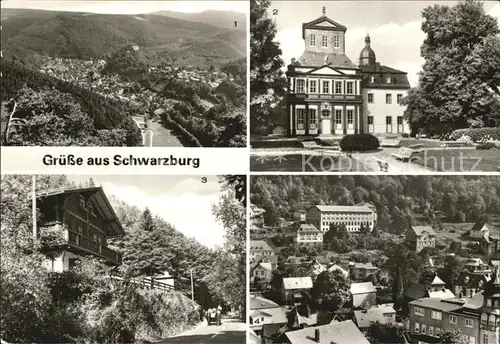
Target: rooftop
[
  {"x": 344, "y": 208},
  {"x": 419, "y": 230},
  {"x": 362, "y": 288},
  {"x": 305, "y": 227},
  {"x": 345, "y": 332},
  {"x": 258, "y": 302},
  {"x": 260, "y": 245},
  {"x": 437, "y": 304},
  {"x": 365, "y": 317},
  {"x": 313, "y": 59}
]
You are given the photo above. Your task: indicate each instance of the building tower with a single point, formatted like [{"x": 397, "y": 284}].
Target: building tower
[
  {"x": 489, "y": 331},
  {"x": 367, "y": 55}
]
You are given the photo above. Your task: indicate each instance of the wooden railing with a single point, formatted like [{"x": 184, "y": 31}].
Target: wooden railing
[{"x": 147, "y": 283}]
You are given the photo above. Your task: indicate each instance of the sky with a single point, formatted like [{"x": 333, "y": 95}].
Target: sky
[
  {"x": 183, "y": 201},
  {"x": 394, "y": 28},
  {"x": 129, "y": 7}
]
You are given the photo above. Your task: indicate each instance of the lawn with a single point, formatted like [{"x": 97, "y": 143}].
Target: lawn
[
  {"x": 305, "y": 163},
  {"x": 459, "y": 160}
]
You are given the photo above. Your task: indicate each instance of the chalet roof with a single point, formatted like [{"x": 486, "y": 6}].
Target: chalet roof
[
  {"x": 278, "y": 315},
  {"x": 297, "y": 283},
  {"x": 345, "y": 332},
  {"x": 420, "y": 229},
  {"x": 260, "y": 245},
  {"x": 335, "y": 60},
  {"x": 344, "y": 208},
  {"x": 365, "y": 317},
  {"x": 362, "y": 288},
  {"x": 98, "y": 197},
  {"x": 480, "y": 226},
  {"x": 441, "y": 294}
]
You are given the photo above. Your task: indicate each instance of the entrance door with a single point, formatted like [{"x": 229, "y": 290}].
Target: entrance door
[
  {"x": 326, "y": 123},
  {"x": 388, "y": 124}
]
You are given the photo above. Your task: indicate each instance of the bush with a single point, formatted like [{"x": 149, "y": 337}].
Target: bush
[
  {"x": 359, "y": 142},
  {"x": 477, "y": 134},
  {"x": 405, "y": 135},
  {"x": 486, "y": 145}
]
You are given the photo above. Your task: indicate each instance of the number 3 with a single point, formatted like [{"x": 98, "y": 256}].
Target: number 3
[{"x": 203, "y": 180}]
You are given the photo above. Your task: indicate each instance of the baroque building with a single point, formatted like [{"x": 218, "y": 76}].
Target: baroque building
[{"x": 329, "y": 95}]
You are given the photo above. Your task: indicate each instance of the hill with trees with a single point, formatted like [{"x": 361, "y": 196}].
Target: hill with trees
[
  {"x": 400, "y": 200},
  {"x": 89, "y": 35},
  {"x": 222, "y": 19}
]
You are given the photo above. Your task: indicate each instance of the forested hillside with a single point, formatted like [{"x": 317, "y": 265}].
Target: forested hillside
[
  {"x": 88, "y": 35},
  {"x": 400, "y": 200}
]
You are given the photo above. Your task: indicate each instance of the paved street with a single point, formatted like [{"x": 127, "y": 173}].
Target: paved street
[
  {"x": 230, "y": 332},
  {"x": 158, "y": 136}
]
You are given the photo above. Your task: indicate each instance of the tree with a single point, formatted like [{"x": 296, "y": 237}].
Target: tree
[
  {"x": 331, "y": 290},
  {"x": 146, "y": 252},
  {"x": 458, "y": 86},
  {"x": 266, "y": 77},
  {"x": 385, "y": 333},
  {"x": 451, "y": 337}
]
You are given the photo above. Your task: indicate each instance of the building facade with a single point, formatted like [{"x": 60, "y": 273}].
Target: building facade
[
  {"x": 328, "y": 94},
  {"x": 259, "y": 249},
  {"x": 420, "y": 237},
  {"x": 489, "y": 329},
  {"x": 308, "y": 234},
  {"x": 76, "y": 224},
  {"x": 353, "y": 217}
]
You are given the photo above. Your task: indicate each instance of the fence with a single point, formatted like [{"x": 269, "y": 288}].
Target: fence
[{"x": 147, "y": 282}]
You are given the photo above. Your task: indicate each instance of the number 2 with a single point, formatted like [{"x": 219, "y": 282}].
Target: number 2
[{"x": 275, "y": 12}]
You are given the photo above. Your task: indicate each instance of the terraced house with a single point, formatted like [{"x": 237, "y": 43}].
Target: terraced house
[
  {"x": 329, "y": 95},
  {"x": 79, "y": 223}
]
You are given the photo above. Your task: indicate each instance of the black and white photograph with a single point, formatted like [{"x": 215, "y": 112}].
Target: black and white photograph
[
  {"x": 368, "y": 259},
  {"x": 124, "y": 73},
  {"x": 375, "y": 86},
  {"x": 123, "y": 259}
]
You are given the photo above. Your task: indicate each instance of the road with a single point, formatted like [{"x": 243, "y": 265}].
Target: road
[
  {"x": 156, "y": 135},
  {"x": 230, "y": 332}
]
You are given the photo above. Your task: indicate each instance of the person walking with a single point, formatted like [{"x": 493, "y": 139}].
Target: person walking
[{"x": 219, "y": 315}]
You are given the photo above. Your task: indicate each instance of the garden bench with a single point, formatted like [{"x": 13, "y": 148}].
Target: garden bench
[
  {"x": 383, "y": 165},
  {"x": 417, "y": 148}
]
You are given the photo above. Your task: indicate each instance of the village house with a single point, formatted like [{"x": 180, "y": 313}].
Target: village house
[
  {"x": 384, "y": 314},
  {"x": 263, "y": 271},
  {"x": 328, "y": 94},
  {"x": 431, "y": 316},
  {"x": 363, "y": 295},
  {"x": 344, "y": 332},
  {"x": 436, "y": 290},
  {"x": 76, "y": 224},
  {"x": 479, "y": 230},
  {"x": 489, "y": 329},
  {"x": 258, "y": 249},
  {"x": 299, "y": 215},
  {"x": 309, "y": 234},
  {"x": 419, "y": 237},
  {"x": 256, "y": 216},
  {"x": 292, "y": 288},
  {"x": 265, "y": 312},
  {"x": 352, "y": 217},
  {"x": 361, "y": 271},
  {"x": 336, "y": 267}
]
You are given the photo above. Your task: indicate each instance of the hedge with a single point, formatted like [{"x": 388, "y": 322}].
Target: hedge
[
  {"x": 477, "y": 134},
  {"x": 186, "y": 135},
  {"x": 359, "y": 142}
]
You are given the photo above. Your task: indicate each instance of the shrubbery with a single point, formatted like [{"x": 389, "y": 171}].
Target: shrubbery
[
  {"x": 486, "y": 145},
  {"x": 359, "y": 142},
  {"x": 477, "y": 134}
]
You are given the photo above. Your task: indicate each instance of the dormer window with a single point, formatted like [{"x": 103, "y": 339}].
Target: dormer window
[
  {"x": 388, "y": 80},
  {"x": 82, "y": 202},
  {"x": 324, "y": 41},
  {"x": 312, "y": 40},
  {"x": 336, "y": 41}
]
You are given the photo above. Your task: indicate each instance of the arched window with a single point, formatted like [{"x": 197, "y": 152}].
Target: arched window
[
  {"x": 388, "y": 79},
  {"x": 372, "y": 79},
  {"x": 492, "y": 320}
]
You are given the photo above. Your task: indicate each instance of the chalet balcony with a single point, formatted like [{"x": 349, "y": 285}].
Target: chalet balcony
[{"x": 57, "y": 236}]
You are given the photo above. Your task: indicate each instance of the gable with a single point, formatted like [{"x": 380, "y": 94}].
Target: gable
[
  {"x": 327, "y": 71},
  {"x": 326, "y": 23}
]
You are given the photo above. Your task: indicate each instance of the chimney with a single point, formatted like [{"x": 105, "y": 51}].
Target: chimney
[{"x": 316, "y": 335}]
